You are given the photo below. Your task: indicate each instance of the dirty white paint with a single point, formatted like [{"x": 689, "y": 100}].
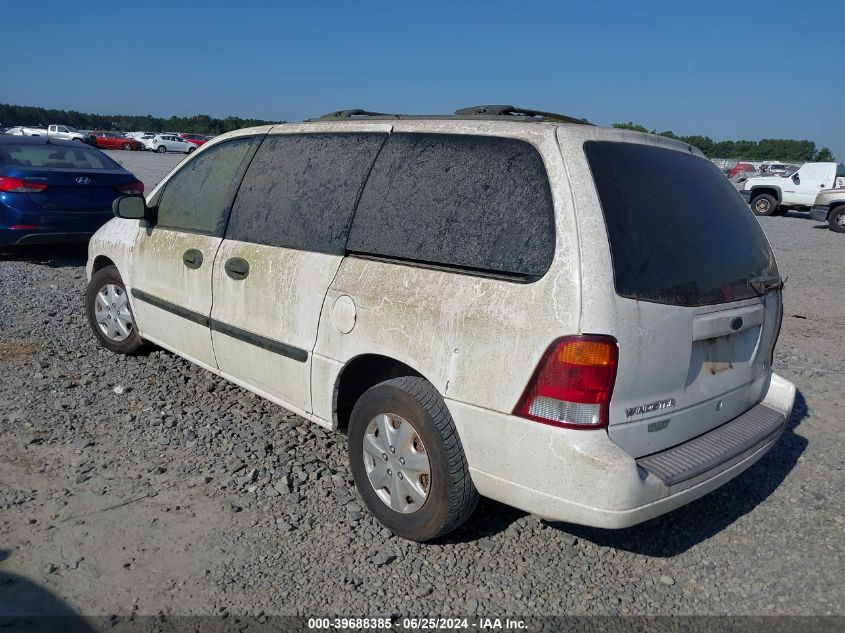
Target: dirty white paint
[
  {"x": 477, "y": 338},
  {"x": 579, "y": 476},
  {"x": 344, "y": 314},
  {"x": 280, "y": 299},
  {"x": 159, "y": 271}
]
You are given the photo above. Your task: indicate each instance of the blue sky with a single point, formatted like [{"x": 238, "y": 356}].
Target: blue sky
[{"x": 729, "y": 70}]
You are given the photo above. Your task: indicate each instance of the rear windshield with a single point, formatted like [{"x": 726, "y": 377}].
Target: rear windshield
[
  {"x": 58, "y": 156},
  {"x": 679, "y": 232}
]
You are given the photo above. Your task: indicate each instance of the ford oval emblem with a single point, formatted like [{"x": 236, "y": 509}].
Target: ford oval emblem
[
  {"x": 83, "y": 180},
  {"x": 736, "y": 323}
]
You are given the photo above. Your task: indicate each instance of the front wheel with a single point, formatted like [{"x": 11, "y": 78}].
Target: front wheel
[
  {"x": 191, "y": 149},
  {"x": 127, "y": 146},
  {"x": 836, "y": 219},
  {"x": 109, "y": 313},
  {"x": 407, "y": 459},
  {"x": 161, "y": 149},
  {"x": 764, "y": 204}
]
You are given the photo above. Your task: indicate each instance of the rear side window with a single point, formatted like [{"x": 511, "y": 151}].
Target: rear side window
[
  {"x": 479, "y": 203},
  {"x": 679, "y": 232},
  {"x": 58, "y": 156},
  {"x": 197, "y": 197},
  {"x": 300, "y": 190}
]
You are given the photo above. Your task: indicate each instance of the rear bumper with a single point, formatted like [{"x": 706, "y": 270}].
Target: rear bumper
[
  {"x": 37, "y": 226},
  {"x": 35, "y": 238},
  {"x": 819, "y": 213},
  {"x": 583, "y": 477}
]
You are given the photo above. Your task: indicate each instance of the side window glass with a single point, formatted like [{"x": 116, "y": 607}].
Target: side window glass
[
  {"x": 300, "y": 190},
  {"x": 479, "y": 203},
  {"x": 197, "y": 197}
]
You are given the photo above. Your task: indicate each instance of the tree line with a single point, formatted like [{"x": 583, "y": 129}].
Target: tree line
[
  {"x": 766, "y": 149},
  {"x": 11, "y": 115}
]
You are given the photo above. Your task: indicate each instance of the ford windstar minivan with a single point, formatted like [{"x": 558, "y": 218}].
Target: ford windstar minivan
[{"x": 572, "y": 320}]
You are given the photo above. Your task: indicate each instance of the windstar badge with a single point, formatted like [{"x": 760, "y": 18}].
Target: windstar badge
[{"x": 640, "y": 409}]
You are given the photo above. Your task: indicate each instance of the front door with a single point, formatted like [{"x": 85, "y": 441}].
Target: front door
[
  {"x": 284, "y": 243},
  {"x": 173, "y": 259}
]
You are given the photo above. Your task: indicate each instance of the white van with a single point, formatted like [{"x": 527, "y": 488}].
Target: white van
[{"x": 543, "y": 313}]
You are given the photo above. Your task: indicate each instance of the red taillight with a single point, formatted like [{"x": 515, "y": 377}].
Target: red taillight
[
  {"x": 131, "y": 189},
  {"x": 572, "y": 385},
  {"x": 16, "y": 185}
]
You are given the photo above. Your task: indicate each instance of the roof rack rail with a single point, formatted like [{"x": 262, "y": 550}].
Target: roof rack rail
[
  {"x": 509, "y": 110},
  {"x": 348, "y": 114}
]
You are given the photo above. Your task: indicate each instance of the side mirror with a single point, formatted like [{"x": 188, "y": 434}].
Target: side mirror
[
  {"x": 130, "y": 208},
  {"x": 796, "y": 179}
]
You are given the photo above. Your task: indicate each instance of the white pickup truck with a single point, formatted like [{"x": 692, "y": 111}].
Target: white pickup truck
[
  {"x": 830, "y": 207},
  {"x": 66, "y": 132},
  {"x": 776, "y": 195}
]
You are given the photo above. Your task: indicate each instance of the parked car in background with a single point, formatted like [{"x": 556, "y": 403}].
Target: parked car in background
[
  {"x": 56, "y": 191},
  {"x": 829, "y": 207},
  {"x": 580, "y": 362},
  {"x": 775, "y": 169},
  {"x": 146, "y": 139},
  {"x": 775, "y": 195},
  {"x": 196, "y": 139},
  {"x": 742, "y": 168},
  {"x": 113, "y": 140},
  {"x": 169, "y": 143},
  {"x": 64, "y": 132}
]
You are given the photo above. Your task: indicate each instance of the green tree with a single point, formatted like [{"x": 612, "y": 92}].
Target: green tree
[
  {"x": 824, "y": 155},
  {"x": 11, "y": 115},
  {"x": 630, "y": 125}
]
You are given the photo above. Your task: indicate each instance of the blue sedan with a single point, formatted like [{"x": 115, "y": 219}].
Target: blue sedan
[{"x": 55, "y": 191}]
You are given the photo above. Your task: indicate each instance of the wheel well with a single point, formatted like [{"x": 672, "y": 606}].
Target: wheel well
[
  {"x": 772, "y": 192},
  {"x": 100, "y": 262},
  {"x": 361, "y": 373}
]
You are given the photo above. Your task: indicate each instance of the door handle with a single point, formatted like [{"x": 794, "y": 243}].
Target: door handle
[
  {"x": 237, "y": 268},
  {"x": 192, "y": 258}
]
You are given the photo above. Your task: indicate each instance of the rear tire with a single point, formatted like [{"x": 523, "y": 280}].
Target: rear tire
[
  {"x": 836, "y": 219},
  {"x": 162, "y": 149},
  {"x": 764, "y": 204},
  {"x": 449, "y": 494},
  {"x": 127, "y": 146},
  {"x": 107, "y": 283}
]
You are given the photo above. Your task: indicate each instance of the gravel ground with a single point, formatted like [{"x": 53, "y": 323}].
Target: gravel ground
[{"x": 144, "y": 485}]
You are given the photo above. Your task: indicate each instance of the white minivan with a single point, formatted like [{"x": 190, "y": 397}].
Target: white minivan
[{"x": 573, "y": 320}]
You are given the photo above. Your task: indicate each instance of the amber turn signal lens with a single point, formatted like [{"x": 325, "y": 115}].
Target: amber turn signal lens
[{"x": 586, "y": 353}]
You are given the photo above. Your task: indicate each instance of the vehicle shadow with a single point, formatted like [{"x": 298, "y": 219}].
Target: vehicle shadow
[
  {"x": 27, "y": 606},
  {"x": 801, "y": 215},
  {"x": 681, "y": 529},
  {"x": 54, "y": 256}
]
